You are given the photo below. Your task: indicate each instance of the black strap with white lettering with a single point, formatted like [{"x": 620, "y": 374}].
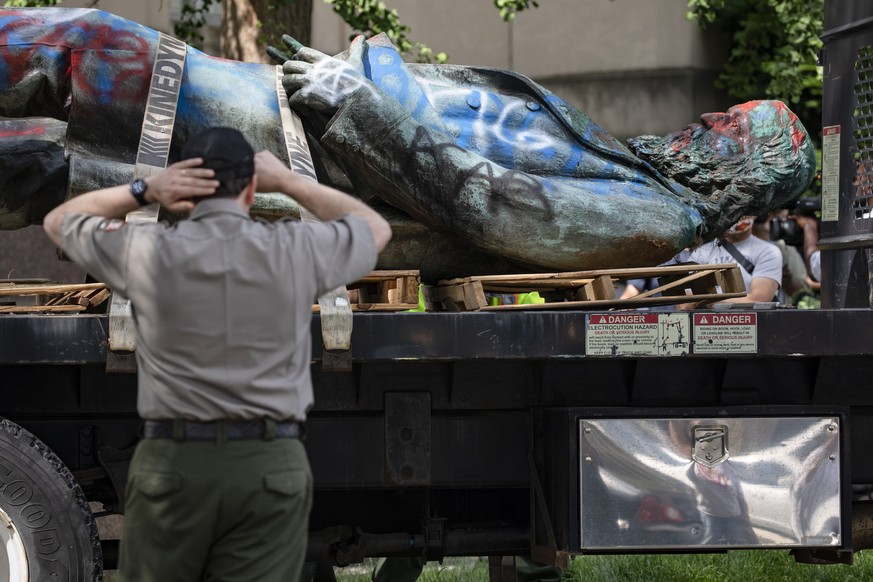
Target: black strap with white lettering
[
  {"x": 152, "y": 156},
  {"x": 160, "y": 113},
  {"x": 296, "y": 145},
  {"x": 334, "y": 306}
]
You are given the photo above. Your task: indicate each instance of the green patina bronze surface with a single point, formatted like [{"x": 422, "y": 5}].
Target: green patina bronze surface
[{"x": 478, "y": 170}]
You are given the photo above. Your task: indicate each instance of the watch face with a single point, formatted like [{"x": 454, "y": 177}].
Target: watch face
[{"x": 138, "y": 187}]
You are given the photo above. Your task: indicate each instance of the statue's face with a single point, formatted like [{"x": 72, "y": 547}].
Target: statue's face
[
  {"x": 739, "y": 132},
  {"x": 751, "y": 159},
  {"x": 725, "y": 134},
  {"x": 725, "y": 147}
]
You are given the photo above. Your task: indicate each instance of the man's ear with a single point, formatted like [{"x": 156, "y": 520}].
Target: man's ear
[{"x": 249, "y": 192}]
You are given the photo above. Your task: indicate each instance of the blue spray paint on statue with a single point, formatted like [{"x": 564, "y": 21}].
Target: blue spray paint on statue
[{"x": 484, "y": 155}]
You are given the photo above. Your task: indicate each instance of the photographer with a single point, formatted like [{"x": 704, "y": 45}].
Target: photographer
[
  {"x": 795, "y": 279},
  {"x": 809, "y": 224},
  {"x": 800, "y": 230}
]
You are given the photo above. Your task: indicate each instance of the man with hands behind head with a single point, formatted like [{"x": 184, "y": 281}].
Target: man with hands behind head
[{"x": 219, "y": 487}]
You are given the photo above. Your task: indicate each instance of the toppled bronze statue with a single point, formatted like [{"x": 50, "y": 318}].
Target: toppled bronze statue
[{"x": 497, "y": 172}]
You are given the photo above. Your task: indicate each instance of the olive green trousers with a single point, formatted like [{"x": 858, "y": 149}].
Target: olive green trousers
[{"x": 207, "y": 511}]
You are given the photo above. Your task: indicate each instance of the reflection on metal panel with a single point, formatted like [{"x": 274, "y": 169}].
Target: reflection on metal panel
[{"x": 709, "y": 482}]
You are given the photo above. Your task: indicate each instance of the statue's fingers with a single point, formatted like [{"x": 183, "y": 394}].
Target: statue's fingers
[
  {"x": 309, "y": 55},
  {"x": 304, "y": 104},
  {"x": 293, "y": 83},
  {"x": 278, "y": 56},
  {"x": 291, "y": 43},
  {"x": 296, "y": 68}
]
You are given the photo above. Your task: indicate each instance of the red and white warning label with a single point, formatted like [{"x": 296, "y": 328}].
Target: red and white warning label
[
  {"x": 625, "y": 334},
  {"x": 725, "y": 333}
]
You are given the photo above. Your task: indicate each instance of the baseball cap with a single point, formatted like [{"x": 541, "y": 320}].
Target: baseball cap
[{"x": 224, "y": 150}]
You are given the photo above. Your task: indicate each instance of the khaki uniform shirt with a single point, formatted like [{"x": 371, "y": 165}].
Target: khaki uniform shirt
[{"x": 222, "y": 304}]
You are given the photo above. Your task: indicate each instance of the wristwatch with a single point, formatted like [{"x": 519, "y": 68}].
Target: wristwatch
[{"x": 138, "y": 189}]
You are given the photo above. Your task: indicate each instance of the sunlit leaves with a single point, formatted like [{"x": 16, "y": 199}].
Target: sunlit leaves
[{"x": 774, "y": 52}]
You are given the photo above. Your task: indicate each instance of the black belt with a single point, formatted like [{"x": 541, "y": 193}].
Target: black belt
[{"x": 182, "y": 430}]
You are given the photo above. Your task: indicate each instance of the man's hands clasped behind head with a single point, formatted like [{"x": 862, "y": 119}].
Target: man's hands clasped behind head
[
  {"x": 175, "y": 186},
  {"x": 273, "y": 174}
]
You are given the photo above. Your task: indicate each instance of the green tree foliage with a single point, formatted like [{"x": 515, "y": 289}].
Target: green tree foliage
[
  {"x": 370, "y": 17},
  {"x": 774, "y": 53},
  {"x": 509, "y": 8},
  {"x": 192, "y": 19}
]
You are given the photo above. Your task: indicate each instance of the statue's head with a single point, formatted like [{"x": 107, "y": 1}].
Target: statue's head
[{"x": 754, "y": 158}]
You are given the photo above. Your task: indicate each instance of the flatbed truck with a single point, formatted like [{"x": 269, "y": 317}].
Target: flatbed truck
[{"x": 545, "y": 433}]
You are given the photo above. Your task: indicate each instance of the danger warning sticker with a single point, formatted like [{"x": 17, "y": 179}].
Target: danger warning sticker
[
  {"x": 626, "y": 334},
  {"x": 725, "y": 333}
]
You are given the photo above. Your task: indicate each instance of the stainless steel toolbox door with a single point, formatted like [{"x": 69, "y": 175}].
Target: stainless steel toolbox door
[{"x": 709, "y": 483}]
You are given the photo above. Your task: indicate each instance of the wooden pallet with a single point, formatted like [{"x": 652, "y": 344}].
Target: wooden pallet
[
  {"x": 398, "y": 290},
  {"x": 378, "y": 291},
  {"x": 384, "y": 291},
  {"x": 595, "y": 289},
  {"x": 51, "y": 297}
]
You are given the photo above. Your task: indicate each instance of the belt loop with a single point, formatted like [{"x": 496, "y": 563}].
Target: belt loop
[
  {"x": 221, "y": 432},
  {"x": 269, "y": 429},
  {"x": 179, "y": 429}
]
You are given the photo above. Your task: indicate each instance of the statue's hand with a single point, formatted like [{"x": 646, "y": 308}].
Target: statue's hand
[
  {"x": 316, "y": 81},
  {"x": 278, "y": 55}
]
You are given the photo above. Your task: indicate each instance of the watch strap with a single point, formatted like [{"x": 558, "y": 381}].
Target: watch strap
[{"x": 138, "y": 189}]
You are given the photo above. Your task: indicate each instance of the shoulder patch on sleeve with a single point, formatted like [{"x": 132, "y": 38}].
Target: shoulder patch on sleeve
[{"x": 110, "y": 225}]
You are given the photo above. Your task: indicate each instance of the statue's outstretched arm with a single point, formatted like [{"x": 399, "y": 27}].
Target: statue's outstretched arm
[{"x": 558, "y": 222}]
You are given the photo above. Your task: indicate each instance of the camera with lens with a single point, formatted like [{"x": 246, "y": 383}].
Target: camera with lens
[{"x": 787, "y": 228}]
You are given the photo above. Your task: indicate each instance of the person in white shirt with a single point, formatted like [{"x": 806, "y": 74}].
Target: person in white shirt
[{"x": 761, "y": 269}]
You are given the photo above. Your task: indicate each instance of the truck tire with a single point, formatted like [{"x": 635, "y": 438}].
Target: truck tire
[{"x": 46, "y": 524}]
